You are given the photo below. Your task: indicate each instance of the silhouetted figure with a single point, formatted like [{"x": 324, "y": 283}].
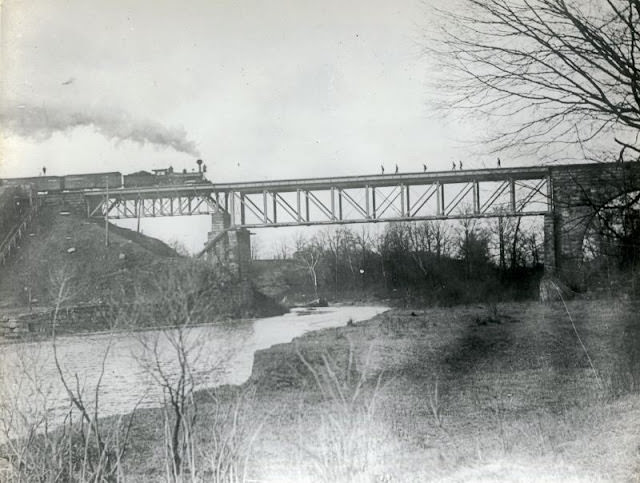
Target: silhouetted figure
[
  {"x": 424, "y": 168},
  {"x": 453, "y": 165},
  {"x": 44, "y": 170},
  {"x": 382, "y": 169},
  {"x": 396, "y": 169},
  {"x": 460, "y": 164},
  {"x": 499, "y": 162}
]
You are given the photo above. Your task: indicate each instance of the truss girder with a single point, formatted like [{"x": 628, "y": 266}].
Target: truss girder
[
  {"x": 142, "y": 207},
  {"x": 339, "y": 200}
]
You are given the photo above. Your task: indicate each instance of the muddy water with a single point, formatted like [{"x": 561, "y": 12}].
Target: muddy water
[{"x": 136, "y": 363}]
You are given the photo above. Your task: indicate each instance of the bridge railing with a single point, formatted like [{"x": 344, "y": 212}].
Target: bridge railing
[{"x": 10, "y": 242}]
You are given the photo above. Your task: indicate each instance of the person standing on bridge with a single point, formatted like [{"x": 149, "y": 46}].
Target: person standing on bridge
[
  {"x": 460, "y": 164},
  {"x": 382, "y": 168},
  {"x": 424, "y": 168},
  {"x": 453, "y": 166},
  {"x": 498, "y": 162},
  {"x": 396, "y": 169}
]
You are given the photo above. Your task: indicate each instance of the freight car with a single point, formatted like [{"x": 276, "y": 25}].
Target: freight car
[
  {"x": 69, "y": 183},
  {"x": 92, "y": 181},
  {"x": 139, "y": 179},
  {"x": 41, "y": 183},
  {"x": 112, "y": 180}
]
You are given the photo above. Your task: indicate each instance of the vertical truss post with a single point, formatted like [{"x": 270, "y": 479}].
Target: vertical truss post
[
  {"x": 265, "y": 207},
  {"x": 226, "y": 201},
  {"x": 512, "y": 197},
  {"x": 402, "y": 198},
  {"x": 274, "y": 194},
  {"x": 242, "y": 212},
  {"x": 333, "y": 203},
  {"x": 306, "y": 205},
  {"x": 408, "y": 201},
  {"x": 373, "y": 202},
  {"x": 298, "y": 205},
  {"x": 232, "y": 208},
  {"x": 549, "y": 195},
  {"x": 440, "y": 198},
  {"x": 339, "y": 203},
  {"x": 476, "y": 197},
  {"x": 366, "y": 201}
]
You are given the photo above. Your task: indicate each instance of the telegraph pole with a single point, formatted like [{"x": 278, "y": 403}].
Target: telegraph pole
[{"x": 106, "y": 216}]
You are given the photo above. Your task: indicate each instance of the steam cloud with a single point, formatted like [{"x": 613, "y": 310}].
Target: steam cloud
[{"x": 41, "y": 123}]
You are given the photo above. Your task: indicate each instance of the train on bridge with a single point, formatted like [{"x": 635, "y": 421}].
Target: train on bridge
[{"x": 111, "y": 180}]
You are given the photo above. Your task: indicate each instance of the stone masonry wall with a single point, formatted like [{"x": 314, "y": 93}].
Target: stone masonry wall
[{"x": 578, "y": 192}]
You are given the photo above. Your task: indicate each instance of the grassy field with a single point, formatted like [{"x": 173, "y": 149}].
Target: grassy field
[{"x": 514, "y": 392}]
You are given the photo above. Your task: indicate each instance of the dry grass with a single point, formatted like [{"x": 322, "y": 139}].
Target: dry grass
[
  {"x": 465, "y": 402},
  {"x": 427, "y": 396}
]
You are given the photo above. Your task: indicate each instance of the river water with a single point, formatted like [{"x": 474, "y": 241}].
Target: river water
[{"x": 135, "y": 364}]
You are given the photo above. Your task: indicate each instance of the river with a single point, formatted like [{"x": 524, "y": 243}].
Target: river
[{"x": 135, "y": 362}]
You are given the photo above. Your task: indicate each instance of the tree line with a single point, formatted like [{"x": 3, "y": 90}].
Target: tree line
[{"x": 433, "y": 260}]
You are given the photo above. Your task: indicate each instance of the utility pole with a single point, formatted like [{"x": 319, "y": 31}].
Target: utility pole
[{"x": 106, "y": 216}]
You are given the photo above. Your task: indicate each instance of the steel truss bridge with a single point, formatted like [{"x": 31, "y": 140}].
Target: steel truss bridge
[{"x": 351, "y": 199}]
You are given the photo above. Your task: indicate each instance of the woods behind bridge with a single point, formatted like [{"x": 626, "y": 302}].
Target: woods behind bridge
[{"x": 440, "y": 263}]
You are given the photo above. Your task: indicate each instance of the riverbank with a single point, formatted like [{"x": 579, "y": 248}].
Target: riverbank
[{"x": 504, "y": 393}]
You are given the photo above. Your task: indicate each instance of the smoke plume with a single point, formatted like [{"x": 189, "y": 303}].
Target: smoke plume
[{"x": 41, "y": 123}]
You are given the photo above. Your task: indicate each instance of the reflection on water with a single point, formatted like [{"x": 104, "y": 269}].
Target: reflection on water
[{"x": 219, "y": 354}]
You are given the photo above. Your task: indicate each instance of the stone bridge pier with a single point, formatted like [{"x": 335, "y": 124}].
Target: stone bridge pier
[
  {"x": 577, "y": 193},
  {"x": 228, "y": 245}
]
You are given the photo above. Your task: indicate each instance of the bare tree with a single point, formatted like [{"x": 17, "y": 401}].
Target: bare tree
[
  {"x": 309, "y": 252},
  {"x": 65, "y": 437},
  {"x": 179, "y": 299},
  {"x": 281, "y": 249},
  {"x": 473, "y": 242},
  {"x": 557, "y": 71},
  {"x": 511, "y": 241}
]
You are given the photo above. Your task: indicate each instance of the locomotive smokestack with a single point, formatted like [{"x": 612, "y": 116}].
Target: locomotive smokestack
[{"x": 199, "y": 162}]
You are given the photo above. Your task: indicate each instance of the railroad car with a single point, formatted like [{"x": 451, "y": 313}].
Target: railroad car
[
  {"x": 41, "y": 183},
  {"x": 93, "y": 181},
  {"x": 139, "y": 179}
]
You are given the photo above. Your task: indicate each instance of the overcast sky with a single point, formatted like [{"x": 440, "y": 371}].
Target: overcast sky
[{"x": 257, "y": 89}]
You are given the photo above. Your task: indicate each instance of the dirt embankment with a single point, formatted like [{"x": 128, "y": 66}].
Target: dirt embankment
[
  {"x": 71, "y": 252},
  {"x": 459, "y": 394},
  {"x": 62, "y": 246}
]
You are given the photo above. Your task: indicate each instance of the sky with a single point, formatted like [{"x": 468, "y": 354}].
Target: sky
[{"x": 259, "y": 90}]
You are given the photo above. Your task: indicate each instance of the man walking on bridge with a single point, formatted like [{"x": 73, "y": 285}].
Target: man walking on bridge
[
  {"x": 382, "y": 168},
  {"x": 396, "y": 169}
]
